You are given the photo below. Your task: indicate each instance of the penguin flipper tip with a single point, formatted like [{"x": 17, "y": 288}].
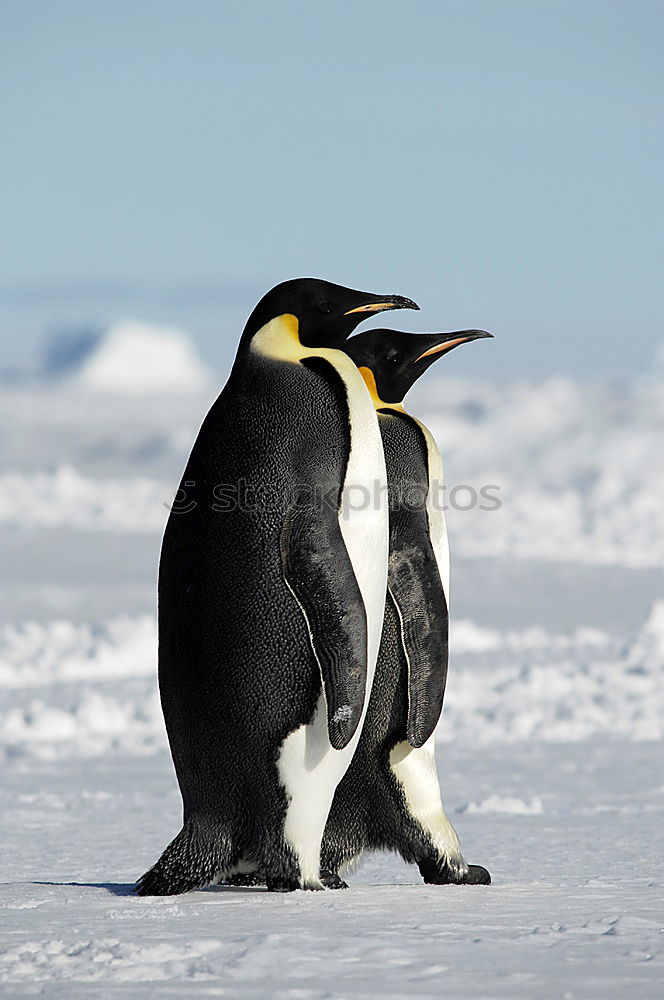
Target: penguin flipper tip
[{"x": 341, "y": 730}]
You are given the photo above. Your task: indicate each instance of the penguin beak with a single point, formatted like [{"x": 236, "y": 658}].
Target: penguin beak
[
  {"x": 443, "y": 342},
  {"x": 382, "y": 303}
]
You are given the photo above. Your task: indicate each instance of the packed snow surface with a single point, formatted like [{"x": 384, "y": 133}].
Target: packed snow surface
[{"x": 549, "y": 747}]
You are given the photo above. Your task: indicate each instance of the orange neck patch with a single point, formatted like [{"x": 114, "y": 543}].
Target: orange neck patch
[{"x": 370, "y": 382}]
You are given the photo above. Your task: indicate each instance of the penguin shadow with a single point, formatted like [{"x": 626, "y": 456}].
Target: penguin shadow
[
  {"x": 125, "y": 889},
  {"x": 114, "y": 888},
  {"x": 129, "y": 888}
]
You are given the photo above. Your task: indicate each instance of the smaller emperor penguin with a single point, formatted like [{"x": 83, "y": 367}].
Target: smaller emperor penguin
[{"x": 389, "y": 799}]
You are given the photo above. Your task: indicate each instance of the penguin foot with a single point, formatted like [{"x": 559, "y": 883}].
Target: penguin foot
[
  {"x": 476, "y": 875},
  {"x": 331, "y": 880},
  {"x": 434, "y": 873},
  {"x": 191, "y": 861}
]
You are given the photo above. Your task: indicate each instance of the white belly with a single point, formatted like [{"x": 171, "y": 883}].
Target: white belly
[{"x": 309, "y": 768}]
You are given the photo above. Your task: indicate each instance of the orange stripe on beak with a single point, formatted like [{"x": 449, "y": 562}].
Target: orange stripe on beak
[
  {"x": 441, "y": 348},
  {"x": 373, "y": 307}
]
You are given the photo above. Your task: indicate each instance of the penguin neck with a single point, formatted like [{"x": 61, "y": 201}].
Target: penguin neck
[{"x": 370, "y": 382}]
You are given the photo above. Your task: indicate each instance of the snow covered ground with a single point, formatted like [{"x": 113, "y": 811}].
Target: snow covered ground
[{"x": 550, "y": 745}]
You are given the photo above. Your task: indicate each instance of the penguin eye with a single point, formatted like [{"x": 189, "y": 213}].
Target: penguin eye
[{"x": 325, "y": 307}]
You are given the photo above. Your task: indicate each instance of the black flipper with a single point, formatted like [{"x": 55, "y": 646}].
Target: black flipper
[
  {"x": 318, "y": 570},
  {"x": 416, "y": 589}
]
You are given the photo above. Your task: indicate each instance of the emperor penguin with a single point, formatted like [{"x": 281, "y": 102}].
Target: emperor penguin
[
  {"x": 271, "y": 595},
  {"x": 389, "y": 798}
]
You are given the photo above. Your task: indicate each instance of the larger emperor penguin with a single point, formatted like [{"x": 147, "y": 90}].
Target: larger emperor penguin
[
  {"x": 271, "y": 595},
  {"x": 390, "y": 796}
]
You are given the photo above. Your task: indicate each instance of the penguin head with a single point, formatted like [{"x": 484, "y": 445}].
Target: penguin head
[
  {"x": 391, "y": 361},
  {"x": 326, "y": 313}
]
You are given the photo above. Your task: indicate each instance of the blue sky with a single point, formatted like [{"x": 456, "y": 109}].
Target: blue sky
[{"x": 500, "y": 161}]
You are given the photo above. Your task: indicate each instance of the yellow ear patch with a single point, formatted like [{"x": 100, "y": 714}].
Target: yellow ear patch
[{"x": 279, "y": 339}]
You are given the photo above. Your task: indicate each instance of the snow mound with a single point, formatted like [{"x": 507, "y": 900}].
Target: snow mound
[
  {"x": 129, "y": 357},
  {"x": 63, "y": 498},
  {"x": 559, "y": 689},
  {"x": 87, "y": 725},
  {"x": 575, "y": 466},
  {"x": 468, "y": 637},
  {"x": 506, "y": 804},
  {"x": 33, "y": 654},
  {"x": 93, "y": 689}
]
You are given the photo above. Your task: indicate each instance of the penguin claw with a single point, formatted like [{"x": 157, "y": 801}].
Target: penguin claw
[{"x": 331, "y": 880}]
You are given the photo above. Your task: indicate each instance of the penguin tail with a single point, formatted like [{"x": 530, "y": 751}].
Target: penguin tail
[{"x": 193, "y": 860}]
